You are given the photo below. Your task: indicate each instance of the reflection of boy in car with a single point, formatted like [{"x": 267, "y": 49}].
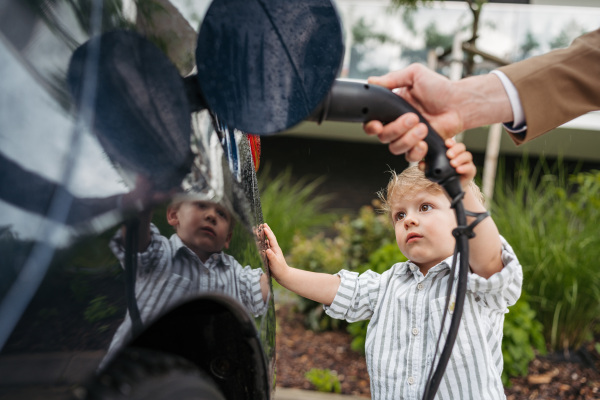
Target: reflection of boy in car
[
  {"x": 188, "y": 263},
  {"x": 405, "y": 304}
]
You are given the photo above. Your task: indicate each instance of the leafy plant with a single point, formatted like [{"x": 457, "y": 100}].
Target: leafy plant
[
  {"x": 294, "y": 208},
  {"x": 355, "y": 239},
  {"x": 290, "y": 207},
  {"x": 551, "y": 220},
  {"x": 99, "y": 309},
  {"x": 364, "y": 234},
  {"x": 383, "y": 258},
  {"x": 353, "y": 242},
  {"x": 243, "y": 248},
  {"x": 358, "y": 331},
  {"x": 522, "y": 335},
  {"x": 324, "y": 380},
  {"x": 318, "y": 254}
]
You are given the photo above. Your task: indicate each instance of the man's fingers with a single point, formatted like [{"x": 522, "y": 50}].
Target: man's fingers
[
  {"x": 401, "y": 130},
  {"x": 406, "y": 142},
  {"x": 396, "y": 79},
  {"x": 417, "y": 153},
  {"x": 373, "y": 128}
]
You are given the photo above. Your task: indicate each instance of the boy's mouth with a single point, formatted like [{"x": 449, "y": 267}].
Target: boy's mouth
[
  {"x": 412, "y": 237},
  {"x": 209, "y": 230}
]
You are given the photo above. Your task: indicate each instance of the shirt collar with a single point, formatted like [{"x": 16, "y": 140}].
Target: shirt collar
[
  {"x": 177, "y": 246},
  {"x": 410, "y": 267}
]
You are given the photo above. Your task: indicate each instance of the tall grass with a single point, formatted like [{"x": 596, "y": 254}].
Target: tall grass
[
  {"x": 291, "y": 206},
  {"x": 552, "y": 221}
]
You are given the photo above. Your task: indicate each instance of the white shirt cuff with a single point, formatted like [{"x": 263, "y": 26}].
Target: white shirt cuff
[{"x": 518, "y": 124}]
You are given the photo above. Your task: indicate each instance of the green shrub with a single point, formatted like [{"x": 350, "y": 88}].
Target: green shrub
[
  {"x": 364, "y": 234},
  {"x": 354, "y": 242},
  {"x": 383, "y": 258},
  {"x": 317, "y": 254},
  {"x": 99, "y": 309},
  {"x": 355, "y": 239},
  {"x": 324, "y": 380},
  {"x": 551, "y": 220},
  {"x": 243, "y": 247},
  {"x": 522, "y": 335},
  {"x": 292, "y": 207}
]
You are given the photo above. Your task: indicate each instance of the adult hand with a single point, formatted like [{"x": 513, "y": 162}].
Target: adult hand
[
  {"x": 450, "y": 107},
  {"x": 431, "y": 94}
]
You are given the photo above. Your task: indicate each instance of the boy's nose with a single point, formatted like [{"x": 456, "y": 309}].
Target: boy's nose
[
  {"x": 409, "y": 220},
  {"x": 210, "y": 215}
]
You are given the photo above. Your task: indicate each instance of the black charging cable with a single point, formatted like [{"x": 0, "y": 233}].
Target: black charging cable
[{"x": 462, "y": 233}]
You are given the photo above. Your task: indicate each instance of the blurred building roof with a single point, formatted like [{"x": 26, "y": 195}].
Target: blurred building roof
[{"x": 509, "y": 31}]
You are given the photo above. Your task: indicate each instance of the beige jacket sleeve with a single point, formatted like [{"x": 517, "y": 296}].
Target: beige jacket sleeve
[{"x": 559, "y": 86}]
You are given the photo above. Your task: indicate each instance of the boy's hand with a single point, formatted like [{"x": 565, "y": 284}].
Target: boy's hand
[
  {"x": 277, "y": 263},
  {"x": 319, "y": 287},
  {"x": 461, "y": 160}
]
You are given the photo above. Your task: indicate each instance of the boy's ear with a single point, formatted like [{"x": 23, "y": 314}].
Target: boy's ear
[
  {"x": 228, "y": 240},
  {"x": 172, "y": 217}
]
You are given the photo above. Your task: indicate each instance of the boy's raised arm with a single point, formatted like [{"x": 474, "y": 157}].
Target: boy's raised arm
[
  {"x": 485, "y": 249},
  {"x": 143, "y": 228},
  {"x": 316, "y": 286}
]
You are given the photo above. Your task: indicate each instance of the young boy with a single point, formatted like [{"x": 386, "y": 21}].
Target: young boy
[
  {"x": 188, "y": 263},
  {"x": 405, "y": 304}
]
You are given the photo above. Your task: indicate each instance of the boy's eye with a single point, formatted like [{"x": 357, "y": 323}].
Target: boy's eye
[
  {"x": 399, "y": 216},
  {"x": 426, "y": 207}
]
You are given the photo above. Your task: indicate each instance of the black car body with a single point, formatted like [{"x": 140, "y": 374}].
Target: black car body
[{"x": 91, "y": 108}]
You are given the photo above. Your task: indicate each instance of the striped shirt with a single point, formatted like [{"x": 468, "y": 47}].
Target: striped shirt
[
  {"x": 168, "y": 272},
  {"x": 405, "y": 310}
]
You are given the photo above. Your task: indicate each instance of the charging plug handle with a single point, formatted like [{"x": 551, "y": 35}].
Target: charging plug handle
[{"x": 353, "y": 101}]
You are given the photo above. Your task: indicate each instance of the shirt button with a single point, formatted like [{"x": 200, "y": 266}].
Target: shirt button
[
  {"x": 415, "y": 331},
  {"x": 420, "y": 286},
  {"x": 411, "y": 380}
]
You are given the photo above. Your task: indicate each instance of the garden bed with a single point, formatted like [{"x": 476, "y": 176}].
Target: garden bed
[{"x": 299, "y": 350}]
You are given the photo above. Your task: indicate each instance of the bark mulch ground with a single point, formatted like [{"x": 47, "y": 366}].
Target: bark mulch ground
[{"x": 300, "y": 349}]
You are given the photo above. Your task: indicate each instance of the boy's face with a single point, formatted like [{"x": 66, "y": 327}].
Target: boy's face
[
  {"x": 423, "y": 223},
  {"x": 202, "y": 226}
]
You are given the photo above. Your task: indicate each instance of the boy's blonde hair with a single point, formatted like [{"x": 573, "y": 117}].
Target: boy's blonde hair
[{"x": 410, "y": 180}]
